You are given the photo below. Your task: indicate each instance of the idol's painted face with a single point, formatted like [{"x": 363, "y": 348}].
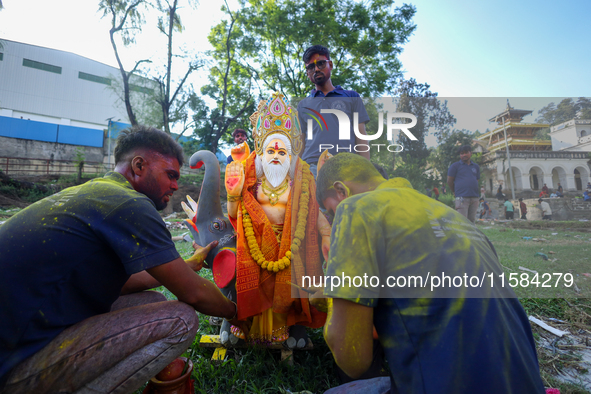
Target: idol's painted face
[
  {"x": 275, "y": 153},
  {"x": 160, "y": 179}
]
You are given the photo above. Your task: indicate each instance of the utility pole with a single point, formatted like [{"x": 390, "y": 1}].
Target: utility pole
[
  {"x": 109, "y": 138},
  {"x": 508, "y": 159},
  {"x": 110, "y": 120}
]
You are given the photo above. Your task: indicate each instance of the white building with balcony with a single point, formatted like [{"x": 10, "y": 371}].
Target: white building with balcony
[{"x": 574, "y": 135}]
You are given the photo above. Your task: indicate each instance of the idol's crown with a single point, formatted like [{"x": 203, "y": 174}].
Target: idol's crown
[{"x": 273, "y": 116}]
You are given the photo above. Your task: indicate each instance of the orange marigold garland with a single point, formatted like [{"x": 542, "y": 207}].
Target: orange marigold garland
[{"x": 300, "y": 233}]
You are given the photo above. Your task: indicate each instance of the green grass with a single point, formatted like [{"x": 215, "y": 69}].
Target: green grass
[
  {"x": 27, "y": 195},
  {"x": 192, "y": 179},
  {"x": 71, "y": 178},
  {"x": 571, "y": 256}
]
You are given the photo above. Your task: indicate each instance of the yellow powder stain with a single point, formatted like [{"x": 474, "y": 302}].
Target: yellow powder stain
[{"x": 66, "y": 343}]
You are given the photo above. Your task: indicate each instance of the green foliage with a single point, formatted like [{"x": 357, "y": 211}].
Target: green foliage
[
  {"x": 364, "y": 39},
  {"x": 543, "y": 134},
  {"x": 211, "y": 125},
  {"x": 417, "y": 99},
  {"x": 124, "y": 13},
  {"x": 144, "y": 103},
  {"x": 80, "y": 156},
  {"x": 172, "y": 96},
  {"x": 381, "y": 156},
  {"x": 566, "y": 110},
  {"x": 126, "y": 20},
  {"x": 28, "y": 195},
  {"x": 432, "y": 115},
  {"x": 192, "y": 179},
  {"x": 416, "y": 174},
  {"x": 230, "y": 87},
  {"x": 448, "y": 199},
  {"x": 71, "y": 179}
]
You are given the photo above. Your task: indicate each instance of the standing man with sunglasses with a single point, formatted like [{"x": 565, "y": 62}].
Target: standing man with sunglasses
[{"x": 325, "y": 126}]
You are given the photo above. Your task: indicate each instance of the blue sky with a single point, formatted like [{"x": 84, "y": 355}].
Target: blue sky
[
  {"x": 501, "y": 48},
  {"x": 497, "y": 49}
]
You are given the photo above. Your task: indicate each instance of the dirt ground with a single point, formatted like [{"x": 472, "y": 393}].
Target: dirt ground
[
  {"x": 11, "y": 202},
  {"x": 550, "y": 225}
]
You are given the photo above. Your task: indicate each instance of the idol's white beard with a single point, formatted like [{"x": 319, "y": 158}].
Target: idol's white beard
[{"x": 276, "y": 173}]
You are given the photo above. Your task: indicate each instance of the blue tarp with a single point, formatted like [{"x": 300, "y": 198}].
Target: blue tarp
[
  {"x": 27, "y": 129},
  {"x": 49, "y": 132},
  {"x": 79, "y": 136}
]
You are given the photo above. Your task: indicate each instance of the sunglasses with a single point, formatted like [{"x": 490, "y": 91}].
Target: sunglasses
[{"x": 320, "y": 64}]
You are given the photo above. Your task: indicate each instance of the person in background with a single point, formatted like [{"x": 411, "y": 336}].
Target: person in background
[
  {"x": 462, "y": 179},
  {"x": 436, "y": 192},
  {"x": 560, "y": 191},
  {"x": 239, "y": 137},
  {"x": 545, "y": 191},
  {"x": 523, "y": 209},
  {"x": 428, "y": 191},
  {"x": 482, "y": 192},
  {"x": 546, "y": 210},
  {"x": 484, "y": 208},
  {"x": 508, "y": 209},
  {"x": 500, "y": 194},
  {"x": 325, "y": 95}
]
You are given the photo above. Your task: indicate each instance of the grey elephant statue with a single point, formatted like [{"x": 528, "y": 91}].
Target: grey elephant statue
[{"x": 208, "y": 223}]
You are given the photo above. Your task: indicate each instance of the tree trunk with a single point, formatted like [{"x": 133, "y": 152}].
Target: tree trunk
[{"x": 79, "y": 176}]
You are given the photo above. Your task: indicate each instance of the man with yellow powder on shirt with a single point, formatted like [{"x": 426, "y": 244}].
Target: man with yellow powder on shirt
[
  {"x": 272, "y": 205},
  {"x": 436, "y": 339}
]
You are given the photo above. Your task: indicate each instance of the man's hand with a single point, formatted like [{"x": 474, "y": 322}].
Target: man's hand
[
  {"x": 349, "y": 335},
  {"x": 196, "y": 261},
  {"x": 234, "y": 178},
  {"x": 317, "y": 298}
]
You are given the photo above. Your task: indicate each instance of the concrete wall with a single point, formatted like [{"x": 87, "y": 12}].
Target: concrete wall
[
  {"x": 562, "y": 209},
  {"x": 16, "y": 147},
  {"x": 46, "y": 158}
]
